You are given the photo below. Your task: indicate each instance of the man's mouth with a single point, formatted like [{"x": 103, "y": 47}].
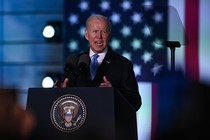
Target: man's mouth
[{"x": 99, "y": 43}]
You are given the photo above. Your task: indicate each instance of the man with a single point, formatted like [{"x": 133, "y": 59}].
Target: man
[{"x": 114, "y": 70}]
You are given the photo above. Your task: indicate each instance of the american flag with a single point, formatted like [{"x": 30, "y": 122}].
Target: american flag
[
  {"x": 133, "y": 33},
  {"x": 137, "y": 36}
]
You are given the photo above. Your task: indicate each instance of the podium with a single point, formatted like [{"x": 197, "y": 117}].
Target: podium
[{"x": 104, "y": 114}]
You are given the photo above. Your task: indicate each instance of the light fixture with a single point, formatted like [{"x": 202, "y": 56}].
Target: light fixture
[
  {"x": 49, "y": 79},
  {"x": 52, "y": 31}
]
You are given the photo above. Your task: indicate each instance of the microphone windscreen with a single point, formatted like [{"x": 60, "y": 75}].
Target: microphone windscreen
[
  {"x": 83, "y": 79},
  {"x": 84, "y": 59},
  {"x": 72, "y": 59},
  {"x": 70, "y": 66}
]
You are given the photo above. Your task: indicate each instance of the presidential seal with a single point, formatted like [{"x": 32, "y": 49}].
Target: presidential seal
[{"x": 68, "y": 113}]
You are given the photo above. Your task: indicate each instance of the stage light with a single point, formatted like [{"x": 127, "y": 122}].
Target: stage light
[
  {"x": 52, "y": 32},
  {"x": 48, "y": 31},
  {"x": 49, "y": 80}
]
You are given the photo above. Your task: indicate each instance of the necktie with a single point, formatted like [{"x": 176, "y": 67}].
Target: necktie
[{"x": 94, "y": 65}]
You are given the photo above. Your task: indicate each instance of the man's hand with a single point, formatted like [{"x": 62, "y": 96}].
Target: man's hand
[
  {"x": 106, "y": 83},
  {"x": 61, "y": 85}
]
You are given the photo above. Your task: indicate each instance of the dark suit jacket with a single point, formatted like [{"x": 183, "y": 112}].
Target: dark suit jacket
[{"x": 119, "y": 71}]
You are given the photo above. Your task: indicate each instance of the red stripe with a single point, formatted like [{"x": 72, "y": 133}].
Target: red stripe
[{"x": 192, "y": 31}]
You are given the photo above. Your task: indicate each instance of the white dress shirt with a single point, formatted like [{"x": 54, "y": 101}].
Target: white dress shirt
[{"x": 101, "y": 55}]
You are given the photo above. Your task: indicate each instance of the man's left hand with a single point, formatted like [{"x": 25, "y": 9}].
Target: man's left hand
[{"x": 106, "y": 83}]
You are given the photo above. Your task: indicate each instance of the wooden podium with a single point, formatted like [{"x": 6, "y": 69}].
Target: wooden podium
[{"x": 106, "y": 114}]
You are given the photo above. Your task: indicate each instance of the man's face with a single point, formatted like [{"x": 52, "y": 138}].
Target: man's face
[{"x": 97, "y": 33}]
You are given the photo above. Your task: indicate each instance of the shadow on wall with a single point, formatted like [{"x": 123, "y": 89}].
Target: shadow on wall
[{"x": 183, "y": 109}]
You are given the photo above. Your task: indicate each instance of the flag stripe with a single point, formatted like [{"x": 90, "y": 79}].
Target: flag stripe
[
  {"x": 144, "y": 119},
  {"x": 192, "y": 31},
  {"x": 204, "y": 41}
]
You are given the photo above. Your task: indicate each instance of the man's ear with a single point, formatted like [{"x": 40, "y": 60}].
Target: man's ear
[{"x": 86, "y": 35}]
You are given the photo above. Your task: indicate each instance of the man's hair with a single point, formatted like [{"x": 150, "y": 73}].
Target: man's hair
[{"x": 98, "y": 16}]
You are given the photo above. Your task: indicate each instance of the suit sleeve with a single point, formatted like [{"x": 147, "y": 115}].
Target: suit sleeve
[{"x": 129, "y": 87}]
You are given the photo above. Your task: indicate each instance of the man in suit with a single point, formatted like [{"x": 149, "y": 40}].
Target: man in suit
[{"x": 114, "y": 70}]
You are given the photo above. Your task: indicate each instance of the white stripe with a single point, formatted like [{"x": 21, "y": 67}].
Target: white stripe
[
  {"x": 174, "y": 33},
  {"x": 204, "y": 41},
  {"x": 145, "y": 112}
]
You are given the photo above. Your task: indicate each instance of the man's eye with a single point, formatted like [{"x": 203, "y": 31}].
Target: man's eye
[{"x": 105, "y": 32}]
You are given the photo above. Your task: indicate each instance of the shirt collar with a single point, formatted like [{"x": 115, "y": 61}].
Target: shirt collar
[{"x": 101, "y": 55}]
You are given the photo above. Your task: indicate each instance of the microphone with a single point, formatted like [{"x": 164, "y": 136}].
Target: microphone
[
  {"x": 83, "y": 71},
  {"x": 70, "y": 67},
  {"x": 83, "y": 62}
]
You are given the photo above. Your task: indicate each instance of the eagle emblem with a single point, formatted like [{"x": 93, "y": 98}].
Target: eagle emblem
[{"x": 68, "y": 113}]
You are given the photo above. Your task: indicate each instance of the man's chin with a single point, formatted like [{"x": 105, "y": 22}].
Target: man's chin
[{"x": 99, "y": 48}]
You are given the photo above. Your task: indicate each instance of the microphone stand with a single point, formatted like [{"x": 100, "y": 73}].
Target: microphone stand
[{"x": 173, "y": 45}]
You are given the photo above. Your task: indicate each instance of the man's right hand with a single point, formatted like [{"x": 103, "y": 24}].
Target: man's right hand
[{"x": 61, "y": 85}]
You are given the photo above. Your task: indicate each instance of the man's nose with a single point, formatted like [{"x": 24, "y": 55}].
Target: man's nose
[{"x": 99, "y": 35}]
